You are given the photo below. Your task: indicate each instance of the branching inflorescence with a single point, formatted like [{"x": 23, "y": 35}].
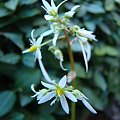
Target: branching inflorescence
[{"x": 59, "y": 91}]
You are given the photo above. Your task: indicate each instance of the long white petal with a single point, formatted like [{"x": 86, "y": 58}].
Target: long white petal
[
  {"x": 88, "y": 50},
  {"x": 38, "y": 54},
  {"x": 89, "y": 107},
  {"x": 70, "y": 96},
  {"x": 46, "y": 4},
  {"x": 39, "y": 40},
  {"x": 64, "y": 104},
  {"x": 62, "y": 82},
  {"x": 61, "y": 4},
  {"x": 49, "y": 86},
  {"x": 75, "y": 7},
  {"x": 55, "y": 38},
  {"x": 45, "y": 74},
  {"x": 84, "y": 55},
  {"x": 47, "y": 97},
  {"x": 47, "y": 33}
]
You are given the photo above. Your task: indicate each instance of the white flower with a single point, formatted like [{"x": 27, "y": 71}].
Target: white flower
[
  {"x": 70, "y": 13},
  {"x": 83, "y": 37},
  {"x": 83, "y": 98},
  {"x": 87, "y": 34},
  {"x": 51, "y": 9},
  {"x": 59, "y": 91},
  {"x": 35, "y": 48}
]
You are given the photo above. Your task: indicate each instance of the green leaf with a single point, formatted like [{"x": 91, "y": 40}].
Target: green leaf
[
  {"x": 4, "y": 12},
  {"x": 16, "y": 38},
  {"x": 11, "y": 58},
  {"x": 11, "y": 4},
  {"x": 25, "y": 77},
  {"x": 100, "y": 81},
  {"x": 95, "y": 8},
  {"x": 118, "y": 1},
  {"x": 105, "y": 28},
  {"x": 28, "y": 60},
  {"x": 106, "y": 50},
  {"x": 25, "y": 100},
  {"x": 15, "y": 116},
  {"x": 27, "y": 2},
  {"x": 7, "y": 99},
  {"x": 29, "y": 12},
  {"x": 109, "y": 5}
]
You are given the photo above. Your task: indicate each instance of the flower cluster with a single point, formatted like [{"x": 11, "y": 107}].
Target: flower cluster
[
  {"x": 52, "y": 90},
  {"x": 59, "y": 92}
]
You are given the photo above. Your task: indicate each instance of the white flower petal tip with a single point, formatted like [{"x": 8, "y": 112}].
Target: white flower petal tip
[
  {"x": 32, "y": 88},
  {"x": 62, "y": 82},
  {"x": 64, "y": 104},
  {"x": 61, "y": 65},
  {"x": 26, "y": 51},
  {"x": 89, "y": 107},
  {"x": 75, "y": 7}
]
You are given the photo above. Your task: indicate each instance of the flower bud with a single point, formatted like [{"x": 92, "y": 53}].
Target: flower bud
[{"x": 58, "y": 54}]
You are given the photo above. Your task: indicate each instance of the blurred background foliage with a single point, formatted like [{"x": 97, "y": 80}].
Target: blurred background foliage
[{"x": 18, "y": 71}]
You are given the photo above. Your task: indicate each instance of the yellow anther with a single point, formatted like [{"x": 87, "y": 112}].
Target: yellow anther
[
  {"x": 53, "y": 13},
  {"x": 60, "y": 91},
  {"x": 32, "y": 48}
]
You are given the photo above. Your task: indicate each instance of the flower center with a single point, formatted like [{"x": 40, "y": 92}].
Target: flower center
[
  {"x": 33, "y": 48},
  {"x": 60, "y": 91},
  {"x": 53, "y": 13}
]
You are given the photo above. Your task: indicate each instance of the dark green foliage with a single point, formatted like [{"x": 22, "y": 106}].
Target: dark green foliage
[{"x": 18, "y": 71}]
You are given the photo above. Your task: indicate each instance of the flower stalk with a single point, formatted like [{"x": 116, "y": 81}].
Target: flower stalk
[{"x": 73, "y": 110}]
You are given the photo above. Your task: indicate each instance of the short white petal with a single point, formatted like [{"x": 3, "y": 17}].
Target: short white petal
[
  {"x": 48, "y": 17},
  {"x": 45, "y": 74},
  {"x": 89, "y": 107},
  {"x": 46, "y": 4},
  {"x": 84, "y": 55},
  {"x": 49, "y": 86},
  {"x": 26, "y": 51},
  {"x": 53, "y": 102},
  {"x": 53, "y": 5},
  {"x": 63, "y": 81},
  {"x": 47, "y": 97},
  {"x": 55, "y": 38},
  {"x": 47, "y": 33},
  {"x": 41, "y": 93},
  {"x": 70, "y": 96},
  {"x": 75, "y": 7},
  {"x": 64, "y": 104},
  {"x": 33, "y": 89}
]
